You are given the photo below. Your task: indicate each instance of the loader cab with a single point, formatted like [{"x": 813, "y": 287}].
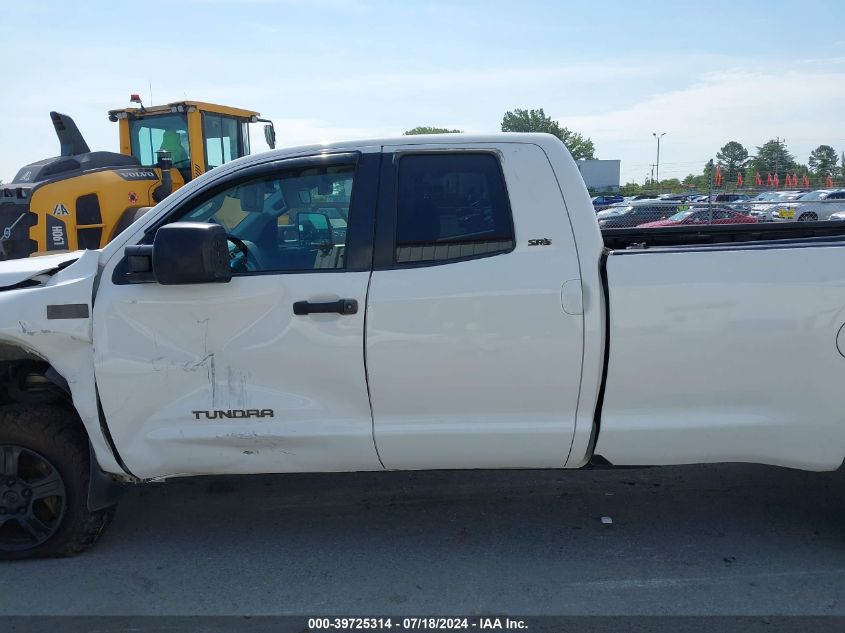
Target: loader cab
[{"x": 199, "y": 136}]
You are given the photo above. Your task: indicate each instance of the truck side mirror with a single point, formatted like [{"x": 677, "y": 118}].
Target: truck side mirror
[
  {"x": 270, "y": 135},
  {"x": 182, "y": 253}
]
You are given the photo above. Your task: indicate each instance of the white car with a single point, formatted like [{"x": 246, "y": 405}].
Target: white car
[
  {"x": 815, "y": 205},
  {"x": 764, "y": 204}
]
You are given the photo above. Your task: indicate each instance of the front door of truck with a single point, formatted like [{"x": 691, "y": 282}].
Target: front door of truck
[
  {"x": 474, "y": 324},
  {"x": 228, "y": 378}
]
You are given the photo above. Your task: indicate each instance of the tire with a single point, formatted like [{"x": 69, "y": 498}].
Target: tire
[
  {"x": 808, "y": 217},
  {"x": 40, "y": 444}
]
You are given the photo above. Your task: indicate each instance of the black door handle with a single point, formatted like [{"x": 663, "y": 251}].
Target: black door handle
[{"x": 341, "y": 306}]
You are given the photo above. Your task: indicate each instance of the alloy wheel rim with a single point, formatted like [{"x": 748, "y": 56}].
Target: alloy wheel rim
[{"x": 32, "y": 499}]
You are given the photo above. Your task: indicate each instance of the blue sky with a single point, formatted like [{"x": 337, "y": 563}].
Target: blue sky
[{"x": 331, "y": 69}]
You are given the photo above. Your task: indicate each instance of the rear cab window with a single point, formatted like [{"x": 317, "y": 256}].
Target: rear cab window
[{"x": 451, "y": 207}]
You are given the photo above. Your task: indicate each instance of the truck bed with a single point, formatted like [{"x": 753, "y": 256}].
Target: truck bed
[
  {"x": 725, "y": 344},
  {"x": 618, "y": 239}
]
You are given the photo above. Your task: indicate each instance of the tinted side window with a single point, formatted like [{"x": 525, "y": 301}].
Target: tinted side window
[{"x": 451, "y": 206}]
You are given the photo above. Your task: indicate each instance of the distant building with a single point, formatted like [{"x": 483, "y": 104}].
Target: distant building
[{"x": 600, "y": 175}]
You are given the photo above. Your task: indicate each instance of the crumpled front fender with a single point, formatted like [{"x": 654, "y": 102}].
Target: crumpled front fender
[{"x": 52, "y": 320}]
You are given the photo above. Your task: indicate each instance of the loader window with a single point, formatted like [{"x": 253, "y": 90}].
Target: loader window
[
  {"x": 245, "y": 136},
  {"x": 160, "y": 132},
  {"x": 223, "y": 139}
]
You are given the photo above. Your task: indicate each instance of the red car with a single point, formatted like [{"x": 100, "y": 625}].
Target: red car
[{"x": 702, "y": 216}]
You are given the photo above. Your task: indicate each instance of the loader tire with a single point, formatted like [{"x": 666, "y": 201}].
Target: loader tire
[{"x": 44, "y": 473}]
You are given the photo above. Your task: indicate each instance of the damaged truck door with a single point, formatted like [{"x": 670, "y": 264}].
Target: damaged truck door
[{"x": 264, "y": 373}]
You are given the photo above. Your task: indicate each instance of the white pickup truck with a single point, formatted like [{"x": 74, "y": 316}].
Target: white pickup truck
[{"x": 415, "y": 303}]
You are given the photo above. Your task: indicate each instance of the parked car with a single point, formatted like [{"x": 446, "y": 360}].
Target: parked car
[
  {"x": 640, "y": 196},
  {"x": 764, "y": 204},
  {"x": 635, "y": 213},
  {"x": 679, "y": 197},
  {"x": 731, "y": 197},
  {"x": 602, "y": 202},
  {"x": 703, "y": 216},
  {"x": 815, "y": 205}
]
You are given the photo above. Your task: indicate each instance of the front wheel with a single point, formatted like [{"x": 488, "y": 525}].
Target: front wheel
[{"x": 44, "y": 472}]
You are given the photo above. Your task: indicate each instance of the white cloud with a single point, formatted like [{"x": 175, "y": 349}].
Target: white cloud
[
  {"x": 804, "y": 107},
  {"x": 616, "y": 102}
]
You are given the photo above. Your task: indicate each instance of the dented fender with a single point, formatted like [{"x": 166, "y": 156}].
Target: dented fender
[{"x": 45, "y": 309}]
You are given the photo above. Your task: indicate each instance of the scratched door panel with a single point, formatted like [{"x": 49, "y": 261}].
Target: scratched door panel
[{"x": 224, "y": 378}]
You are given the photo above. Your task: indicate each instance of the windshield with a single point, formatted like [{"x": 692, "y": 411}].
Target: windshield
[
  {"x": 680, "y": 215},
  {"x": 815, "y": 195},
  {"x": 611, "y": 211},
  {"x": 150, "y": 134}
]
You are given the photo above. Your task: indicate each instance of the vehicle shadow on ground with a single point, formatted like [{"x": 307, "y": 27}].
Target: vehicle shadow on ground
[{"x": 695, "y": 539}]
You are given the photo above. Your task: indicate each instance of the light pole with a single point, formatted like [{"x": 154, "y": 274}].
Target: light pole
[{"x": 658, "y": 137}]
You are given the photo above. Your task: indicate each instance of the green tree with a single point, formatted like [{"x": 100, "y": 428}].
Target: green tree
[
  {"x": 698, "y": 182},
  {"x": 521, "y": 120},
  {"x": 427, "y": 129},
  {"x": 630, "y": 189},
  {"x": 823, "y": 160},
  {"x": 671, "y": 185},
  {"x": 732, "y": 158},
  {"x": 751, "y": 172},
  {"x": 774, "y": 158}
]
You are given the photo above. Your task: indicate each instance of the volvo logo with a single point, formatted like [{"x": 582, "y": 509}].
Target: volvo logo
[{"x": 137, "y": 174}]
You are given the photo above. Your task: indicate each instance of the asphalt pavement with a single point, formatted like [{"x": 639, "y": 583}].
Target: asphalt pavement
[{"x": 716, "y": 539}]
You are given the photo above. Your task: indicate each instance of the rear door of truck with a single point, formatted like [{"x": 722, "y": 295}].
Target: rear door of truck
[{"x": 474, "y": 332}]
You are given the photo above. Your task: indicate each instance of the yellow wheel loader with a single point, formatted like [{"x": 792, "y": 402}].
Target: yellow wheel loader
[{"x": 82, "y": 199}]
